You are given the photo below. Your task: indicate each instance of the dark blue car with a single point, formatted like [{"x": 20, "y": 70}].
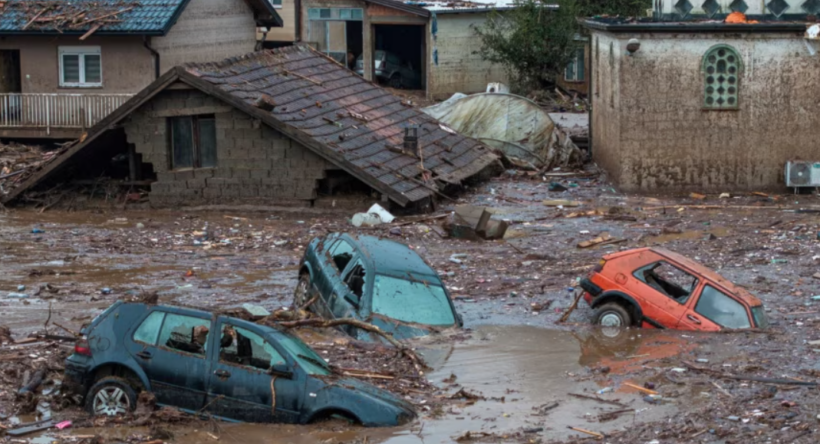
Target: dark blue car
[
  {"x": 246, "y": 372},
  {"x": 376, "y": 280}
]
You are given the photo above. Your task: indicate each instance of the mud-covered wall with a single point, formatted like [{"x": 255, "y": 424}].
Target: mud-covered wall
[
  {"x": 255, "y": 163},
  {"x": 605, "y": 117},
  {"x": 651, "y": 131},
  {"x": 459, "y": 68}
]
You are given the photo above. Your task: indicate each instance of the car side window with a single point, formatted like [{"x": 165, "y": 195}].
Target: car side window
[
  {"x": 669, "y": 280},
  {"x": 246, "y": 348},
  {"x": 355, "y": 278},
  {"x": 721, "y": 309},
  {"x": 148, "y": 331},
  {"x": 185, "y": 333},
  {"x": 341, "y": 253}
]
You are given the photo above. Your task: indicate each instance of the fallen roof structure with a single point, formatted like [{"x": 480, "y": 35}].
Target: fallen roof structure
[{"x": 331, "y": 111}]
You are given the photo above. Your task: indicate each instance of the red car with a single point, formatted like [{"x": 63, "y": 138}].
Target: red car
[{"x": 656, "y": 288}]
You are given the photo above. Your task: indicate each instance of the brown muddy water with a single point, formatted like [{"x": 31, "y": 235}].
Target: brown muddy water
[{"x": 518, "y": 369}]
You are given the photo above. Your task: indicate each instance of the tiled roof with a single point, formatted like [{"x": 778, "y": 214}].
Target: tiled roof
[
  {"x": 348, "y": 118},
  {"x": 79, "y": 16}
]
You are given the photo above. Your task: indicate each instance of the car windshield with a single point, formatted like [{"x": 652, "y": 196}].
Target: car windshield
[
  {"x": 411, "y": 301},
  {"x": 304, "y": 355},
  {"x": 761, "y": 321}
]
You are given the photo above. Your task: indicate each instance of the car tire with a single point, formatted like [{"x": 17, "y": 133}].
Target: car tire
[
  {"x": 111, "y": 396},
  {"x": 300, "y": 294},
  {"x": 612, "y": 314},
  {"x": 395, "y": 81}
]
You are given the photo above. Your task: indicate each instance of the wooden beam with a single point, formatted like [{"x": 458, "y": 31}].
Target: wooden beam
[
  {"x": 91, "y": 31},
  {"x": 42, "y": 11}
]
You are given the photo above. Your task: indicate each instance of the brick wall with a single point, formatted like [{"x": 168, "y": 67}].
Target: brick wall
[{"x": 255, "y": 163}]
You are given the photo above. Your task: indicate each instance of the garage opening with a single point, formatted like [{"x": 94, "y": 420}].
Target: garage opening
[
  {"x": 337, "y": 32},
  {"x": 399, "y": 56}
]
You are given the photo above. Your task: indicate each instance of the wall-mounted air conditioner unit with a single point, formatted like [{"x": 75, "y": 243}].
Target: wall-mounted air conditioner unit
[{"x": 802, "y": 174}]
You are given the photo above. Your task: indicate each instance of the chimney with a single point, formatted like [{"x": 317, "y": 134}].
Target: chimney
[{"x": 411, "y": 140}]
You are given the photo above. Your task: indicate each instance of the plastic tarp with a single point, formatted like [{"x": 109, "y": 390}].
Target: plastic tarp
[{"x": 512, "y": 124}]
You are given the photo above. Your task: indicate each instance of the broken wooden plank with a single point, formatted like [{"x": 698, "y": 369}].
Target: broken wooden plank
[
  {"x": 91, "y": 31},
  {"x": 42, "y": 11},
  {"x": 561, "y": 203}
]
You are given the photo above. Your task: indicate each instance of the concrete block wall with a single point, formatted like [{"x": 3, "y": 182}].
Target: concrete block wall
[{"x": 255, "y": 163}]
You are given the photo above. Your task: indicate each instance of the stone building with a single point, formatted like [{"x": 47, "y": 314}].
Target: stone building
[
  {"x": 686, "y": 101},
  {"x": 272, "y": 127}
]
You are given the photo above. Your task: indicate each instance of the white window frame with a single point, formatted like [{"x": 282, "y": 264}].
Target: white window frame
[
  {"x": 576, "y": 61},
  {"x": 80, "y": 51},
  {"x": 275, "y": 4}
]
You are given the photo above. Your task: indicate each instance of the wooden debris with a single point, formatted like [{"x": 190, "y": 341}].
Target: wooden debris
[
  {"x": 561, "y": 203},
  {"x": 639, "y": 388},
  {"x": 604, "y": 239},
  {"x": 588, "y": 432}
]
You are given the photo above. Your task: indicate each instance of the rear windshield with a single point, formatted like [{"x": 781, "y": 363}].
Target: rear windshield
[
  {"x": 761, "y": 321},
  {"x": 411, "y": 301}
]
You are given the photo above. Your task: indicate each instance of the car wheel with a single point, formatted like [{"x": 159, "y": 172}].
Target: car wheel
[
  {"x": 111, "y": 396},
  {"x": 395, "y": 81},
  {"x": 300, "y": 295},
  {"x": 612, "y": 315}
]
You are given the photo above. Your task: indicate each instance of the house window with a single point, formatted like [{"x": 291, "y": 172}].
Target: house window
[
  {"x": 276, "y": 3},
  {"x": 721, "y": 78},
  {"x": 575, "y": 68},
  {"x": 193, "y": 141},
  {"x": 328, "y": 32},
  {"x": 80, "y": 66}
]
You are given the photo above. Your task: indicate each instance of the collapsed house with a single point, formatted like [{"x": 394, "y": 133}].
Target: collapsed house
[{"x": 271, "y": 127}]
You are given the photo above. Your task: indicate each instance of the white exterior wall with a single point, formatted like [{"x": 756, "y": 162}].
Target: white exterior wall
[
  {"x": 754, "y": 7},
  {"x": 458, "y": 69},
  {"x": 207, "y": 30}
]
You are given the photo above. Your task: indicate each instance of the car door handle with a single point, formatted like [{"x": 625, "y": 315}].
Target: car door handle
[
  {"x": 693, "y": 319},
  {"x": 222, "y": 373},
  {"x": 144, "y": 355}
]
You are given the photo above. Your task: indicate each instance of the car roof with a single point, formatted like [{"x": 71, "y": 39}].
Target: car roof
[
  {"x": 703, "y": 270},
  {"x": 205, "y": 313},
  {"x": 393, "y": 258}
]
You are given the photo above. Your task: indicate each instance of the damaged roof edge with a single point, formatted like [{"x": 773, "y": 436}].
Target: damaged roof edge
[
  {"x": 693, "y": 27},
  {"x": 180, "y": 73},
  {"x": 96, "y": 131},
  {"x": 401, "y": 7},
  {"x": 292, "y": 133}
]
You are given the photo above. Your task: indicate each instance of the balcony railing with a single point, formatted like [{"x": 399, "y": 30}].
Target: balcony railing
[{"x": 47, "y": 111}]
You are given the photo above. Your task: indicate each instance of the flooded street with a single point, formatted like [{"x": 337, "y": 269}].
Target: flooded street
[{"x": 513, "y": 374}]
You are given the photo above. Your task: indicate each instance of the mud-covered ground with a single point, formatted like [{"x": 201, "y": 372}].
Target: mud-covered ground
[{"x": 67, "y": 267}]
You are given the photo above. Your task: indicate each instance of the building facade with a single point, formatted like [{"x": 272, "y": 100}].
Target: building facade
[{"x": 680, "y": 102}]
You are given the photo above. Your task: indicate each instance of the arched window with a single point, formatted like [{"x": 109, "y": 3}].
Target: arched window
[{"x": 721, "y": 77}]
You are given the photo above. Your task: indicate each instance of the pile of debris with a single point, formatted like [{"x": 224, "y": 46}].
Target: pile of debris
[
  {"x": 18, "y": 162},
  {"x": 66, "y": 16}
]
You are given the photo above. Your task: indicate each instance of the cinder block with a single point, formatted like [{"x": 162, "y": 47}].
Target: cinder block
[
  {"x": 225, "y": 143},
  {"x": 165, "y": 177},
  {"x": 263, "y": 144},
  {"x": 203, "y": 173},
  {"x": 160, "y": 188},
  {"x": 195, "y": 184},
  {"x": 257, "y": 153},
  {"x": 177, "y": 187},
  {"x": 259, "y": 174},
  {"x": 230, "y": 192},
  {"x": 223, "y": 121},
  {"x": 242, "y": 123},
  {"x": 183, "y": 175},
  {"x": 221, "y": 181},
  {"x": 240, "y": 173},
  {"x": 249, "y": 191},
  {"x": 212, "y": 193},
  {"x": 239, "y": 153}
]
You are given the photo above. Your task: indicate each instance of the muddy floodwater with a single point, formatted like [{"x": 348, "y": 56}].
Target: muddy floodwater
[{"x": 518, "y": 370}]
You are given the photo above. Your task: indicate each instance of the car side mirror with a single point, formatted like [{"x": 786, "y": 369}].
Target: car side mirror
[
  {"x": 353, "y": 299},
  {"x": 281, "y": 371}
]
